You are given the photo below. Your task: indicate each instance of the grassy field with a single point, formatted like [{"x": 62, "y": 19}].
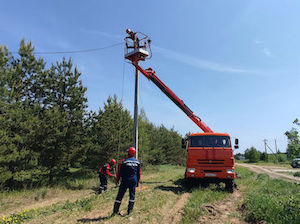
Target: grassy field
[
  {"x": 270, "y": 163},
  {"x": 156, "y": 196},
  {"x": 161, "y": 198},
  {"x": 270, "y": 200}
]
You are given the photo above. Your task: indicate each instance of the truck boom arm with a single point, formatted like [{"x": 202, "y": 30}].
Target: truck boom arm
[{"x": 150, "y": 74}]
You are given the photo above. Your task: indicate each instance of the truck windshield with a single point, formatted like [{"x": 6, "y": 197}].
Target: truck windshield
[{"x": 209, "y": 141}]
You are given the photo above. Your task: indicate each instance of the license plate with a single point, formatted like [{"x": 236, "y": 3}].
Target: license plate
[{"x": 210, "y": 174}]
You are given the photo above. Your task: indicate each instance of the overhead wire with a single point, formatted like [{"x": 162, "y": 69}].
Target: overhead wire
[{"x": 76, "y": 51}]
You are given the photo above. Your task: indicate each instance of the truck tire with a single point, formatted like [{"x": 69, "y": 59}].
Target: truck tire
[{"x": 229, "y": 186}]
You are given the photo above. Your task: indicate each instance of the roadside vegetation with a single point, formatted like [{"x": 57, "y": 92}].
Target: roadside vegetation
[{"x": 269, "y": 200}]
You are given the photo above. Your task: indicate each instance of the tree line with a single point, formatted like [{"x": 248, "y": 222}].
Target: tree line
[
  {"x": 292, "y": 151},
  {"x": 46, "y": 127}
]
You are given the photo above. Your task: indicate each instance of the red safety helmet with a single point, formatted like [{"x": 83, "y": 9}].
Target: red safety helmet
[
  {"x": 113, "y": 161},
  {"x": 131, "y": 151}
]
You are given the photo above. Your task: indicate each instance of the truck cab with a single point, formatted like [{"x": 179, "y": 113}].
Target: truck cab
[{"x": 210, "y": 159}]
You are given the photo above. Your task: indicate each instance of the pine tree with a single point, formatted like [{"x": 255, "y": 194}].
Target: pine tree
[
  {"x": 42, "y": 118},
  {"x": 112, "y": 133},
  {"x": 144, "y": 138},
  {"x": 64, "y": 142},
  {"x": 18, "y": 117}
]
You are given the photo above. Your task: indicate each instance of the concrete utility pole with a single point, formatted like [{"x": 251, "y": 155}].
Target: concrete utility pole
[
  {"x": 136, "y": 113},
  {"x": 135, "y": 52},
  {"x": 265, "y": 141},
  {"x": 276, "y": 149}
]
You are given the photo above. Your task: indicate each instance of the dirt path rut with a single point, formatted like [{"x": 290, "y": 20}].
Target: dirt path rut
[
  {"x": 224, "y": 211},
  {"x": 273, "y": 173},
  {"x": 175, "y": 214}
]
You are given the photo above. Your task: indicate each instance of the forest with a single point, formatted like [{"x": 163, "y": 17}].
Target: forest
[{"x": 47, "y": 128}]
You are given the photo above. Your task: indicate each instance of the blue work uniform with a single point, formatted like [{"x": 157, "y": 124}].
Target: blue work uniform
[{"x": 129, "y": 171}]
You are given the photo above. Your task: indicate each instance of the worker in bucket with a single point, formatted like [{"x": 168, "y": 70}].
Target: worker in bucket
[
  {"x": 129, "y": 171},
  {"x": 104, "y": 171}
]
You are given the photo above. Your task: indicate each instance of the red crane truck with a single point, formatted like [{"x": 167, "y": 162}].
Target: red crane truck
[{"x": 209, "y": 154}]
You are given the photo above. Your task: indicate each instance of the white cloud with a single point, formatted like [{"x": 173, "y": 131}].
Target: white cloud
[
  {"x": 201, "y": 63},
  {"x": 256, "y": 41},
  {"x": 266, "y": 52}
]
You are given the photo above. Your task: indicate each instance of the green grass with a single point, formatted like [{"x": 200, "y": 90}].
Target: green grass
[
  {"x": 159, "y": 193},
  {"x": 270, "y": 200},
  {"x": 85, "y": 204},
  {"x": 269, "y": 163},
  {"x": 273, "y": 201}
]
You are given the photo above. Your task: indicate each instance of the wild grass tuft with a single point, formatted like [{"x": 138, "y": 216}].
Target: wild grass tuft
[{"x": 40, "y": 194}]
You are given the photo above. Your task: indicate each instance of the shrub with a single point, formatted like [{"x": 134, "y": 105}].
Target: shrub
[
  {"x": 297, "y": 174},
  {"x": 252, "y": 155}
]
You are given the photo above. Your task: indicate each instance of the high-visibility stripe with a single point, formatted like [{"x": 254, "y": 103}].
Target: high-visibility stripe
[
  {"x": 118, "y": 201},
  {"x": 130, "y": 161},
  {"x": 131, "y": 200}
]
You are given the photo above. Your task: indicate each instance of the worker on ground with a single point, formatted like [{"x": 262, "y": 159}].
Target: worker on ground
[
  {"x": 130, "y": 172},
  {"x": 104, "y": 171}
]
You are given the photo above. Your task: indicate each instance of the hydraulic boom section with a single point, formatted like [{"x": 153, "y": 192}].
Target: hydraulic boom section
[{"x": 139, "y": 53}]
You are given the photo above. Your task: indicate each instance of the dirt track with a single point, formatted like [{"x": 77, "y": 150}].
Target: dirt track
[
  {"x": 272, "y": 171},
  {"x": 224, "y": 211},
  {"x": 175, "y": 214}
]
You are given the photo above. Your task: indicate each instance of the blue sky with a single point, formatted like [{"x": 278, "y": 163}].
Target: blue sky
[{"x": 234, "y": 63}]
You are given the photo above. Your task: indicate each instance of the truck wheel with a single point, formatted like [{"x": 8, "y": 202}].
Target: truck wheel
[{"x": 229, "y": 186}]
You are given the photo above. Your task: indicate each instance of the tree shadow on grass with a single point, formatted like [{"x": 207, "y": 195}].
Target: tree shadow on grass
[{"x": 87, "y": 220}]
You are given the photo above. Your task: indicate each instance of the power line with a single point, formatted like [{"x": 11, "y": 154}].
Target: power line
[{"x": 75, "y": 51}]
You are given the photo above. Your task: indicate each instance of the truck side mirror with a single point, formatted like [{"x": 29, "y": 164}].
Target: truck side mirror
[
  {"x": 236, "y": 143},
  {"x": 183, "y": 143}
]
